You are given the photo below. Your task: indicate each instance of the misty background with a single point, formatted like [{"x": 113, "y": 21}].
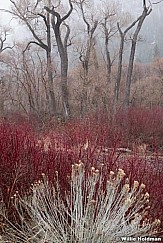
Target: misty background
[{"x": 151, "y": 35}]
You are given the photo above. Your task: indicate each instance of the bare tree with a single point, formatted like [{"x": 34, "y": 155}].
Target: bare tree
[
  {"x": 3, "y": 47},
  {"x": 120, "y": 57},
  {"x": 62, "y": 44},
  {"x": 85, "y": 53},
  {"x": 3, "y": 38},
  {"x": 27, "y": 13},
  {"x": 109, "y": 29},
  {"x": 140, "y": 21}
]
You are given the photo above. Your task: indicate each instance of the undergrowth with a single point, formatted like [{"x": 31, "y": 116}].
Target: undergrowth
[{"x": 25, "y": 153}]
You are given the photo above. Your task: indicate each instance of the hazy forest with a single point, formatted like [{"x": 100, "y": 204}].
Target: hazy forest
[{"x": 81, "y": 121}]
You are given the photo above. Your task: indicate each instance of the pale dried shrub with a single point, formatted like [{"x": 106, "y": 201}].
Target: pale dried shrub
[{"x": 94, "y": 209}]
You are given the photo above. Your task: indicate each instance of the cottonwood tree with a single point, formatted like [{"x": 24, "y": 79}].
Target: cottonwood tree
[
  {"x": 62, "y": 43},
  {"x": 109, "y": 29},
  {"x": 30, "y": 13},
  {"x": 20, "y": 90},
  {"x": 91, "y": 24},
  {"x": 3, "y": 47},
  {"x": 120, "y": 59},
  {"x": 28, "y": 78},
  {"x": 138, "y": 22},
  {"x": 146, "y": 11},
  {"x": 34, "y": 81}
]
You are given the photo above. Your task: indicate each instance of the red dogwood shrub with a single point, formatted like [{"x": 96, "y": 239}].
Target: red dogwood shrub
[{"x": 25, "y": 155}]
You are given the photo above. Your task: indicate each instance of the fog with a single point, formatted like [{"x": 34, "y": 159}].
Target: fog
[{"x": 151, "y": 33}]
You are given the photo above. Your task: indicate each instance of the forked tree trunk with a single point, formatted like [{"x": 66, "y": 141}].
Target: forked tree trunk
[
  {"x": 139, "y": 20},
  {"x": 145, "y": 13},
  {"x": 62, "y": 45}
]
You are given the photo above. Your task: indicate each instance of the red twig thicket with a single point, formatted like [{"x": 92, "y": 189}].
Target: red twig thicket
[{"x": 112, "y": 143}]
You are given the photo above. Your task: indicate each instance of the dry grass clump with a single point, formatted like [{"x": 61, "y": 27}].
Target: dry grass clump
[{"x": 96, "y": 208}]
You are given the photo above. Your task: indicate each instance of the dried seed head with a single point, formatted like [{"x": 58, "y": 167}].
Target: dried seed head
[
  {"x": 136, "y": 184},
  {"x": 97, "y": 171},
  {"x": 144, "y": 223},
  {"x": 99, "y": 232},
  {"x": 137, "y": 215},
  {"x": 142, "y": 186},
  {"x": 157, "y": 222},
  {"x": 93, "y": 168},
  {"x": 92, "y": 201},
  {"x": 80, "y": 164},
  {"x": 146, "y": 195},
  {"x": 120, "y": 170},
  {"x": 110, "y": 182},
  {"x": 128, "y": 201},
  {"x": 127, "y": 187},
  {"x": 121, "y": 173},
  {"x": 111, "y": 176},
  {"x": 94, "y": 173}
]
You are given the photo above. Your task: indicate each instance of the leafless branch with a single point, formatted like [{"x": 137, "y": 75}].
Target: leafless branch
[
  {"x": 31, "y": 42},
  {"x": 67, "y": 34},
  {"x": 158, "y": 2}
]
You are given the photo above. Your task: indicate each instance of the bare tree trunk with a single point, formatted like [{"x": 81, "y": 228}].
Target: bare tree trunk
[
  {"x": 64, "y": 85},
  {"x": 108, "y": 58},
  {"x": 85, "y": 64},
  {"x": 139, "y": 20},
  {"x": 96, "y": 64},
  {"x": 145, "y": 13},
  {"x": 85, "y": 59},
  {"x": 62, "y": 49},
  {"x": 52, "y": 105},
  {"x": 84, "y": 92},
  {"x": 109, "y": 66},
  {"x": 2, "y": 86},
  {"x": 120, "y": 61}
]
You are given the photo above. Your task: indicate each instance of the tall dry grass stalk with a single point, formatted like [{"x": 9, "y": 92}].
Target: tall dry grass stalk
[{"x": 93, "y": 210}]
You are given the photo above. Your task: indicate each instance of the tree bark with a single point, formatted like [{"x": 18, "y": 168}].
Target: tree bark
[
  {"x": 146, "y": 12},
  {"x": 62, "y": 49},
  {"x": 120, "y": 61},
  {"x": 52, "y": 105}
]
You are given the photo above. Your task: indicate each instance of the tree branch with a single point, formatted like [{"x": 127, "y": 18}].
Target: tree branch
[
  {"x": 67, "y": 34},
  {"x": 31, "y": 42},
  {"x": 54, "y": 13},
  {"x": 21, "y": 16},
  {"x": 44, "y": 18},
  {"x": 157, "y": 2},
  {"x": 69, "y": 12}
]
